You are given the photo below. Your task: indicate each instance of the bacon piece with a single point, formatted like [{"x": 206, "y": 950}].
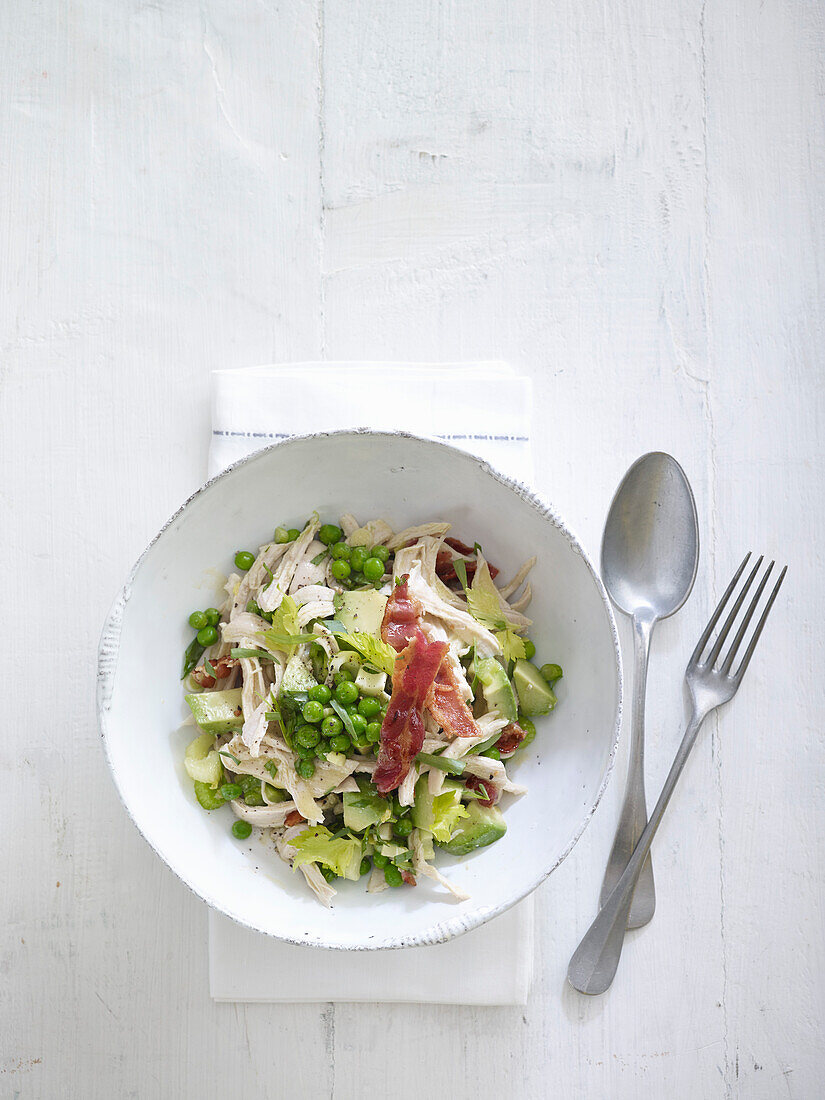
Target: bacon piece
[
  {"x": 294, "y": 817},
  {"x": 408, "y": 877},
  {"x": 473, "y": 783},
  {"x": 510, "y": 739},
  {"x": 444, "y": 702},
  {"x": 223, "y": 667},
  {"x": 446, "y": 705},
  {"x": 402, "y": 731},
  {"x": 401, "y": 617}
]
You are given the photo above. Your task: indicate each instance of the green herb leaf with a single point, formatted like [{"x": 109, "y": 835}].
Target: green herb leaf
[
  {"x": 210, "y": 668},
  {"x": 191, "y": 655},
  {"x": 285, "y": 632},
  {"x": 486, "y": 609},
  {"x": 460, "y": 567},
  {"x": 452, "y": 767},
  {"x": 512, "y": 646},
  {"x": 271, "y": 767},
  {"x": 377, "y": 653},
  {"x": 320, "y": 557},
  {"x": 485, "y": 745},
  {"x": 345, "y": 718},
  {"x": 223, "y": 752},
  {"x": 259, "y": 654}
]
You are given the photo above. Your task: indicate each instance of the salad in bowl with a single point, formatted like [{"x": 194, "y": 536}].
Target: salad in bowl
[{"x": 360, "y": 696}]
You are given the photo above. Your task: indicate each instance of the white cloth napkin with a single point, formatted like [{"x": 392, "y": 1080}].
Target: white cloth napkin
[{"x": 480, "y": 407}]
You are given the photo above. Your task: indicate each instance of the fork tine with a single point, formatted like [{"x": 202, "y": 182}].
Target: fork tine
[
  {"x": 720, "y": 607},
  {"x": 740, "y": 634},
  {"x": 740, "y": 672},
  {"x": 723, "y": 633}
]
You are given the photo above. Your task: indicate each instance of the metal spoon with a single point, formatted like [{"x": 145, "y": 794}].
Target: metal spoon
[{"x": 650, "y": 553}]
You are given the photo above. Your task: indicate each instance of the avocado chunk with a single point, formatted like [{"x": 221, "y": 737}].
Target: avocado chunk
[
  {"x": 534, "y": 693},
  {"x": 217, "y": 712},
  {"x": 362, "y": 612},
  {"x": 482, "y": 826},
  {"x": 438, "y": 814},
  {"x": 497, "y": 689},
  {"x": 297, "y": 676},
  {"x": 363, "y": 809}
]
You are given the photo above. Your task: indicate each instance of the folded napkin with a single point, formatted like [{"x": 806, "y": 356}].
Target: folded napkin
[{"x": 483, "y": 408}]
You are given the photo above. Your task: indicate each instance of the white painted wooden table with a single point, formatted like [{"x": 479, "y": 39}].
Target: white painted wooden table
[{"x": 625, "y": 201}]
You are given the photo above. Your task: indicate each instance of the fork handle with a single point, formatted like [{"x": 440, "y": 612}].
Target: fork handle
[{"x": 594, "y": 962}]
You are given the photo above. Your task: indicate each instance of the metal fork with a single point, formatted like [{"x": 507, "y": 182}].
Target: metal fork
[{"x": 711, "y": 683}]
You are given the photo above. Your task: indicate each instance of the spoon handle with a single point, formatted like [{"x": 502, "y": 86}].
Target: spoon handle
[{"x": 633, "y": 817}]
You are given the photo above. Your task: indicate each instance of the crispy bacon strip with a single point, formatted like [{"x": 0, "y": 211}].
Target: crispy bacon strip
[
  {"x": 445, "y": 703},
  {"x": 401, "y": 617},
  {"x": 402, "y": 732},
  {"x": 510, "y": 739}
]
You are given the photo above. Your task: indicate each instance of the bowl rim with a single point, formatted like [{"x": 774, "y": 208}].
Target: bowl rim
[{"x": 442, "y": 930}]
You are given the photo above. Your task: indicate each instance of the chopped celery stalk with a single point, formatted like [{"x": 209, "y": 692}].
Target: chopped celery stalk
[
  {"x": 200, "y": 747},
  {"x": 209, "y": 798}
]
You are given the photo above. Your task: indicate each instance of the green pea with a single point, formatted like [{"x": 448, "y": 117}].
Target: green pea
[
  {"x": 346, "y": 692},
  {"x": 529, "y": 649},
  {"x": 320, "y": 694},
  {"x": 397, "y": 808},
  {"x": 379, "y": 860},
  {"x": 343, "y": 674},
  {"x": 341, "y": 550},
  {"x": 305, "y": 768},
  {"x": 244, "y": 560},
  {"x": 331, "y": 725},
  {"x": 373, "y": 569},
  {"x": 293, "y": 533},
  {"x": 307, "y": 737},
  {"x": 329, "y": 534},
  {"x": 213, "y": 616},
  {"x": 492, "y": 753},
  {"x": 230, "y": 791},
  {"x": 357, "y": 558},
  {"x": 392, "y": 875},
  {"x": 380, "y": 552},
  {"x": 359, "y": 724},
  {"x": 275, "y": 794},
  {"x": 529, "y": 728},
  {"x": 341, "y": 743},
  {"x": 254, "y": 797},
  {"x": 340, "y": 569},
  {"x": 281, "y": 535},
  {"x": 365, "y": 866},
  {"x": 373, "y": 732},
  {"x": 551, "y": 673},
  {"x": 241, "y": 830},
  {"x": 369, "y": 707},
  {"x": 198, "y": 620},
  {"x": 403, "y": 827},
  {"x": 313, "y": 712},
  {"x": 328, "y": 873},
  {"x": 207, "y": 636}
]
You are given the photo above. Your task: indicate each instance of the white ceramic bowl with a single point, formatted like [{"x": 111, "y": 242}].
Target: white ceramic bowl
[{"x": 407, "y": 480}]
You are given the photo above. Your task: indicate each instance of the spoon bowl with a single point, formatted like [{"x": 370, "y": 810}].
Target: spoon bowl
[{"x": 650, "y": 548}]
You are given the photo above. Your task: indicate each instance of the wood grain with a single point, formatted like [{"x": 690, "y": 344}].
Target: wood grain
[{"x": 625, "y": 202}]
